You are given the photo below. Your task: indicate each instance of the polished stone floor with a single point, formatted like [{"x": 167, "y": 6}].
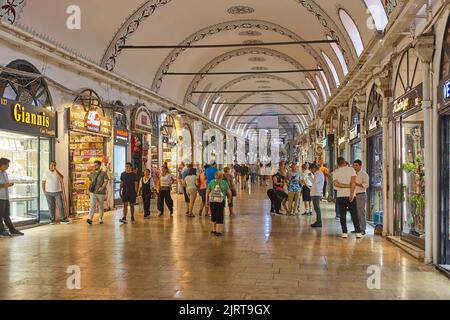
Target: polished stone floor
[{"x": 260, "y": 257}]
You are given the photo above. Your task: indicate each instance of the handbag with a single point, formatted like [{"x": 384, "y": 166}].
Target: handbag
[{"x": 92, "y": 186}]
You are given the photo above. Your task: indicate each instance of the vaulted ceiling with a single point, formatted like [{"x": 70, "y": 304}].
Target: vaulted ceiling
[{"x": 106, "y": 25}]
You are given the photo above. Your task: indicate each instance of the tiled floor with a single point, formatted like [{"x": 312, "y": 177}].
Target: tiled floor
[{"x": 260, "y": 257}]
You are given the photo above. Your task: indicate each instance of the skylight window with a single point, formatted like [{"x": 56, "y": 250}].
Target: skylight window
[
  {"x": 339, "y": 55},
  {"x": 332, "y": 68},
  {"x": 378, "y": 13},
  {"x": 352, "y": 31}
]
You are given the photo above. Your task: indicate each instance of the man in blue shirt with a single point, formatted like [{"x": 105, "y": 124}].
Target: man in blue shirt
[
  {"x": 4, "y": 201},
  {"x": 210, "y": 173}
]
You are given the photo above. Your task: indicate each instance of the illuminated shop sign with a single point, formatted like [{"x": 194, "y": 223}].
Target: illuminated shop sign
[
  {"x": 20, "y": 117},
  {"x": 354, "y": 132},
  {"x": 409, "y": 101},
  {"x": 447, "y": 90},
  {"x": 89, "y": 122},
  {"x": 142, "y": 120},
  {"x": 374, "y": 124}
]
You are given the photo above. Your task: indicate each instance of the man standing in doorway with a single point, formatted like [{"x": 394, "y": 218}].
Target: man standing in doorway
[
  {"x": 97, "y": 189},
  {"x": 52, "y": 184},
  {"x": 345, "y": 183},
  {"x": 362, "y": 184},
  {"x": 4, "y": 201},
  {"x": 316, "y": 193}
]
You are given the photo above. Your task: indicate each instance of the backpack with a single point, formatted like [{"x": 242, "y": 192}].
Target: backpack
[{"x": 216, "y": 195}]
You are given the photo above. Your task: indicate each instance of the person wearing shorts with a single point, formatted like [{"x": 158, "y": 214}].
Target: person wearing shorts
[
  {"x": 218, "y": 208},
  {"x": 202, "y": 191},
  {"x": 306, "y": 190},
  {"x": 128, "y": 191}
]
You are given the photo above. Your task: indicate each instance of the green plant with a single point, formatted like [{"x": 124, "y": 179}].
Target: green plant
[{"x": 409, "y": 167}]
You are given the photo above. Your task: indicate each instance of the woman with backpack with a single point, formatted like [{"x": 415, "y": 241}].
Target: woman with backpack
[{"x": 217, "y": 193}]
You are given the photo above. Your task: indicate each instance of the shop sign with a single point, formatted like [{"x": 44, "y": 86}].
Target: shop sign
[
  {"x": 20, "y": 117},
  {"x": 169, "y": 141},
  {"x": 142, "y": 121},
  {"x": 121, "y": 133},
  {"x": 90, "y": 121},
  {"x": 374, "y": 124},
  {"x": 354, "y": 132},
  {"x": 409, "y": 101},
  {"x": 447, "y": 90},
  {"x": 325, "y": 142}
]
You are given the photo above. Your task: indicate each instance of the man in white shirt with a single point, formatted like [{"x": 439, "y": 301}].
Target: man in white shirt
[
  {"x": 316, "y": 193},
  {"x": 362, "y": 184},
  {"x": 51, "y": 185},
  {"x": 345, "y": 183}
]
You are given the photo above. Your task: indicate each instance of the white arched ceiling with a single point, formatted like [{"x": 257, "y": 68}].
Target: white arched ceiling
[{"x": 107, "y": 25}]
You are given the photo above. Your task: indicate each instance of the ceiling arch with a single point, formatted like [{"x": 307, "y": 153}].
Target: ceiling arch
[
  {"x": 239, "y": 53},
  {"x": 224, "y": 27}
]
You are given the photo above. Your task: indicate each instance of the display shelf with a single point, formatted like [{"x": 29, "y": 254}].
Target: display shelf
[{"x": 20, "y": 199}]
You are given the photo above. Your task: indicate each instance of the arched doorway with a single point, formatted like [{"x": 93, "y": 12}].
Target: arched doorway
[
  {"x": 90, "y": 131},
  {"x": 374, "y": 156},
  {"x": 29, "y": 141},
  {"x": 444, "y": 158},
  {"x": 408, "y": 117},
  {"x": 169, "y": 136}
]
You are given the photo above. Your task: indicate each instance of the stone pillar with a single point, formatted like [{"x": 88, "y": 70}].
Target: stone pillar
[
  {"x": 347, "y": 141},
  {"x": 424, "y": 48},
  {"x": 388, "y": 167}
]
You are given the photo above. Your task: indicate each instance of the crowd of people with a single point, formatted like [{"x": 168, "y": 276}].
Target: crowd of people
[
  {"x": 215, "y": 188},
  {"x": 310, "y": 185}
]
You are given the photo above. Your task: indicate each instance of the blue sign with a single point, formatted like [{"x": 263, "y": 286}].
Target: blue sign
[{"x": 447, "y": 90}]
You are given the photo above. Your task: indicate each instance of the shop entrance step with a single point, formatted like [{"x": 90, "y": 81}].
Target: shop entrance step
[{"x": 409, "y": 248}]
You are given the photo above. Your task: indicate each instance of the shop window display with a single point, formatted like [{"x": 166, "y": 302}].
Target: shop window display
[
  {"x": 22, "y": 150},
  {"x": 412, "y": 195},
  {"x": 84, "y": 151}
]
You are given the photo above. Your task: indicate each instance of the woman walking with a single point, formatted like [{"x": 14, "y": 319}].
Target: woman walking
[
  {"x": 202, "y": 191},
  {"x": 146, "y": 187},
  {"x": 165, "y": 186},
  {"x": 190, "y": 185},
  {"x": 217, "y": 193},
  {"x": 229, "y": 178}
]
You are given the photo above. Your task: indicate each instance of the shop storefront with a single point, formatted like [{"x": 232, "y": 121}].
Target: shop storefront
[
  {"x": 341, "y": 138},
  {"x": 186, "y": 148},
  {"x": 170, "y": 142},
  {"x": 355, "y": 135},
  {"x": 444, "y": 170},
  {"x": 27, "y": 139},
  {"x": 121, "y": 142},
  {"x": 141, "y": 139},
  {"x": 90, "y": 131},
  {"x": 374, "y": 135},
  {"x": 409, "y": 151},
  {"x": 328, "y": 148}
]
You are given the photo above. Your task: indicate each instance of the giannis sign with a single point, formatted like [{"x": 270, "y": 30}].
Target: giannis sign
[{"x": 19, "y": 117}]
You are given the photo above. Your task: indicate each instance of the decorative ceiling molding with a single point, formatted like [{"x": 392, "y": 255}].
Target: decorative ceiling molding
[
  {"x": 241, "y": 10},
  {"x": 127, "y": 29},
  {"x": 11, "y": 10},
  {"x": 228, "y": 26},
  {"x": 238, "y": 53},
  {"x": 310, "y": 110}
]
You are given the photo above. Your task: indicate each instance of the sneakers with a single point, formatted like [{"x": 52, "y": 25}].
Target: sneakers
[
  {"x": 52, "y": 222},
  {"x": 123, "y": 220},
  {"x": 89, "y": 221},
  {"x": 344, "y": 236},
  {"x": 316, "y": 225},
  {"x": 100, "y": 222},
  {"x": 65, "y": 221},
  {"x": 359, "y": 235},
  {"x": 17, "y": 233},
  {"x": 5, "y": 234}
]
